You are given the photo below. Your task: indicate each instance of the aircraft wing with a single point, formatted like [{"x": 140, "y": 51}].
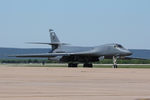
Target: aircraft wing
[
  {"x": 39, "y": 55},
  {"x": 52, "y": 54}
]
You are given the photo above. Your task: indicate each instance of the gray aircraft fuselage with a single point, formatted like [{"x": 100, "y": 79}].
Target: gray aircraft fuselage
[
  {"x": 106, "y": 50},
  {"x": 103, "y": 50}
]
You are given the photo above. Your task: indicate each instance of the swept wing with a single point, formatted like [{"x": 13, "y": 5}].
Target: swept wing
[{"x": 54, "y": 54}]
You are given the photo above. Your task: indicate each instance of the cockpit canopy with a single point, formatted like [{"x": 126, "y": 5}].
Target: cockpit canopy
[{"x": 118, "y": 46}]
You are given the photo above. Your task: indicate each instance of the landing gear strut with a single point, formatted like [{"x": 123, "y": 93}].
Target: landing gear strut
[
  {"x": 72, "y": 65},
  {"x": 115, "y": 62},
  {"x": 88, "y": 65}
]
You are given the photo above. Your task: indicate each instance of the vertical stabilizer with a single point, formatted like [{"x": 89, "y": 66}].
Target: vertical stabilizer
[{"x": 54, "y": 40}]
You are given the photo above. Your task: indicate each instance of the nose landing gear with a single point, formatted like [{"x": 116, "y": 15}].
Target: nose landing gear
[{"x": 115, "y": 62}]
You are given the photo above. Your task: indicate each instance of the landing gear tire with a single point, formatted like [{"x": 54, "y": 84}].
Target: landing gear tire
[
  {"x": 115, "y": 66},
  {"x": 72, "y": 65},
  {"x": 88, "y": 65}
]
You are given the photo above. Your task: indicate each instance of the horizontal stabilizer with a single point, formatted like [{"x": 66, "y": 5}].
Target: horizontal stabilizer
[{"x": 54, "y": 43}]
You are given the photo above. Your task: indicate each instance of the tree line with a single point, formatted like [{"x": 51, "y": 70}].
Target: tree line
[{"x": 105, "y": 61}]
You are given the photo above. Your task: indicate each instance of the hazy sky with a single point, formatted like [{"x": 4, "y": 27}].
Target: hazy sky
[{"x": 78, "y": 22}]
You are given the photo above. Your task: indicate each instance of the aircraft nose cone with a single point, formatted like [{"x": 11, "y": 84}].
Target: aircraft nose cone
[
  {"x": 126, "y": 52},
  {"x": 129, "y": 53}
]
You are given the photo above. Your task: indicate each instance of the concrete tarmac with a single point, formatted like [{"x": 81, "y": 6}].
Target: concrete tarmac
[{"x": 46, "y": 83}]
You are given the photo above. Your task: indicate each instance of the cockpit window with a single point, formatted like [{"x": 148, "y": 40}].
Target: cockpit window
[{"x": 118, "y": 46}]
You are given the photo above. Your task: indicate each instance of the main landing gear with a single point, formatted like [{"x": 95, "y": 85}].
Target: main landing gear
[
  {"x": 115, "y": 62},
  {"x": 72, "y": 65},
  {"x": 85, "y": 65}
]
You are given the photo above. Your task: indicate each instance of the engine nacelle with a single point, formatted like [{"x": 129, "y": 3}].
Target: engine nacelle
[
  {"x": 101, "y": 58},
  {"x": 57, "y": 58}
]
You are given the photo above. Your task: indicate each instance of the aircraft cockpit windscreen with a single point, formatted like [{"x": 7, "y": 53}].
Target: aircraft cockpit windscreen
[{"x": 118, "y": 46}]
